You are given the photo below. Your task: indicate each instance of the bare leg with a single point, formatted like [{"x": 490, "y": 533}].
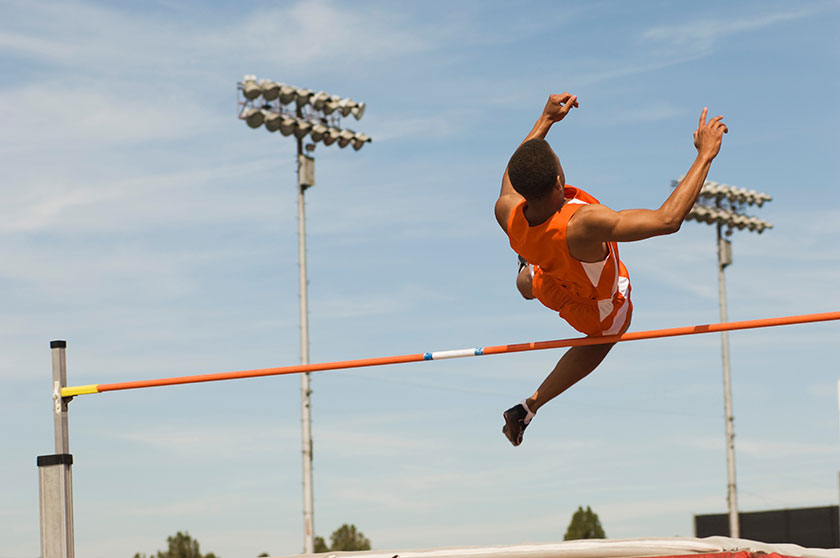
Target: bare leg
[{"x": 575, "y": 365}]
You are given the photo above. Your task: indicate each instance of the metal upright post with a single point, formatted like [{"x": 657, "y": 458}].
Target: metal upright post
[
  {"x": 723, "y": 205},
  {"x": 725, "y": 259},
  {"x": 318, "y": 116},
  {"x": 55, "y": 480},
  {"x": 305, "y": 391}
]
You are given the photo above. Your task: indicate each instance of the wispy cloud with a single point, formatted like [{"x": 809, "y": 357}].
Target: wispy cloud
[
  {"x": 762, "y": 448},
  {"x": 703, "y": 35},
  {"x": 677, "y": 44},
  {"x": 74, "y": 115},
  {"x": 138, "y": 38},
  {"x": 47, "y": 201},
  {"x": 370, "y": 35},
  {"x": 243, "y": 441}
]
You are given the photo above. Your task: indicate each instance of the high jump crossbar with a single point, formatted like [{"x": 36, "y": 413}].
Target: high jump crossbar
[{"x": 72, "y": 391}]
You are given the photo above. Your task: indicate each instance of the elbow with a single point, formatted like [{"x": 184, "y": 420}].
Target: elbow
[
  {"x": 670, "y": 224},
  {"x": 670, "y": 227},
  {"x": 670, "y": 217}
]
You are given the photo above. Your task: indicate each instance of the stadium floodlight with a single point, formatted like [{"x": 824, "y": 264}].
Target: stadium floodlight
[
  {"x": 302, "y": 96},
  {"x": 714, "y": 215},
  {"x": 345, "y": 106},
  {"x": 253, "y": 117},
  {"x": 272, "y": 121},
  {"x": 296, "y": 111},
  {"x": 358, "y": 111},
  {"x": 715, "y": 190},
  {"x": 723, "y": 205},
  {"x": 330, "y": 107},
  {"x": 270, "y": 90},
  {"x": 319, "y": 99},
  {"x": 331, "y": 136},
  {"x": 318, "y": 132},
  {"x": 345, "y": 137},
  {"x": 287, "y": 125},
  {"x": 302, "y": 127},
  {"x": 250, "y": 88},
  {"x": 359, "y": 140},
  {"x": 287, "y": 94}
]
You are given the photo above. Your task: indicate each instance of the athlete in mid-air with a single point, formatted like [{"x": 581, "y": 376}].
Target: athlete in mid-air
[{"x": 567, "y": 246}]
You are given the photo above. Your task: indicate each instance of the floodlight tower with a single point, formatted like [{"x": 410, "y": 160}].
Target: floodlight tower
[
  {"x": 300, "y": 112},
  {"x": 723, "y": 205}
]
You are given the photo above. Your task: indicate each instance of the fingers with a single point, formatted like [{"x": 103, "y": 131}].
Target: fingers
[
  {"x": 565, "y": 98},
  {"x": 559, "y": 105},
  {"x": 569, "y": 99},
  {"x": 716, "y": 124}
]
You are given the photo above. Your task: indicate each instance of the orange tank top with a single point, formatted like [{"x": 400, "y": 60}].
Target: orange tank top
[{"x": 593, "y": 297}]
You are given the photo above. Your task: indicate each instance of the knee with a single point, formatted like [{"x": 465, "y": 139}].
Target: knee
[{"x": 525, "y": 283}]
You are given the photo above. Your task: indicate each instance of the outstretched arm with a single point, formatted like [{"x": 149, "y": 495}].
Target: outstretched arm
[
  {"x": 598, "y": 223},
  {"x": 555, "y": 110}
]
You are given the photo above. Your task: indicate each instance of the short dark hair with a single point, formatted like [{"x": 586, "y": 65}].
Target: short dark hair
[{"x": 533, "y": 169}]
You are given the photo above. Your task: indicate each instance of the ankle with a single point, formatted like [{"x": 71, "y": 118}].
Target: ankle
[{"x": 530, "y": 407}]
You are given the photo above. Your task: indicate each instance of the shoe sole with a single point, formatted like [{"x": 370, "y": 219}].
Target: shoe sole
[{"x": 507, "y": 428}]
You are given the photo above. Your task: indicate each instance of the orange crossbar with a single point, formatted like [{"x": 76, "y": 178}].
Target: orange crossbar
[{"x": 498, "y": 349}]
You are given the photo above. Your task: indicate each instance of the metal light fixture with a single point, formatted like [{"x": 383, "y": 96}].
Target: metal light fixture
[
  {"x": 319, "y": 99},
  {"x": 345, "y": 106},
  {"x": 270, "y": 90},
  {"x": 331, "y": 136},
  {"x": 302, "y": 97},
  {"x": 287, "y": 125},
  {"x": 302, "y": 128},
  {"x": 287, "y": 94},
  {"x": 359, "y": 140},
  {"x": 318, "y": 132},
  {"x": 250, "y": 88},
  {"x": 345, "y": 137},
  {"x": 330, "y": 107},
  {"x": 253, "y": 117},
  {"x": 273, "y": 121},
  {"x": 358, "y": 111}
]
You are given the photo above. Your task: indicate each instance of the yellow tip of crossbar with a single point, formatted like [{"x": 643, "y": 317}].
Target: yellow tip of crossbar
[{"x": 79, "y": 390}]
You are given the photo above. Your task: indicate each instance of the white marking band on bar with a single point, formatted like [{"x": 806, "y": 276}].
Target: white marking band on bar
[{"x": 458, "y": 353}]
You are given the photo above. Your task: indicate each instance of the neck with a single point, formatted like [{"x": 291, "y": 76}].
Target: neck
[{"x": 538, "y": 212}]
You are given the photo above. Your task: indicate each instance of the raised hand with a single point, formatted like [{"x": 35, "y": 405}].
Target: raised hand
[
  {"x": 558, "y": 106},
  {"x": 708, "y": 136}
]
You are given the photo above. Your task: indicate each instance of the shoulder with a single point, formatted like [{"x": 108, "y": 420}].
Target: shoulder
[
  {"x": 505, "y": 208},
  {"x": 591, "y": 217}
]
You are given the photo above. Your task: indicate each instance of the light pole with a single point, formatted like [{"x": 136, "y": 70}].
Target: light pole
[
  {"x": 301, "y": 112},
  {"x": 723, "y": 205}
]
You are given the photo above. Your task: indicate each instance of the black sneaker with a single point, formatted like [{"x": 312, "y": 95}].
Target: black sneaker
[{"x": 515, "y": 424}]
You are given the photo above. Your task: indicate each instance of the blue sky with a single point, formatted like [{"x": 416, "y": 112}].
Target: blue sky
[{"x": 156, "y": 233}]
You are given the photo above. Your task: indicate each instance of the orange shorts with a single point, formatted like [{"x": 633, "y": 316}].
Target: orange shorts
[{"x": 584, "y": 314}]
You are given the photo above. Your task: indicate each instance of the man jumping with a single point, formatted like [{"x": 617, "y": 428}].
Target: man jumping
[{"x": 567, "y": 246}]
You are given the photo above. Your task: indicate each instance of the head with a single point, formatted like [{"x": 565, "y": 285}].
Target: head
[{"x": 535, "y": 172}]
